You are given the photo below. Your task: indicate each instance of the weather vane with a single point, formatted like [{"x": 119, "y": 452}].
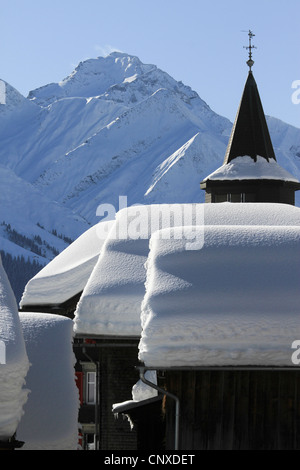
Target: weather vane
[{"x": 250, "y": 62}]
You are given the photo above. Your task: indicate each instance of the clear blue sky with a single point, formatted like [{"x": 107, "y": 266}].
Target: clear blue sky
[{"x": 196, "y": 41}]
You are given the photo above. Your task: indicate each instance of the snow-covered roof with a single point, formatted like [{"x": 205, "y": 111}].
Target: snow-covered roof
[
  {"x": 50, "y": 420},
  {"x": 227, "y": 213},
  {"x": 14, "y": 362},
  {"x": 67, "y": 274},
  {"x": 245, "y": 168},
  {"x": 235, "y": 301},
  {"x": 140, "y": 393},
  {"x": 111, "y": 301}
]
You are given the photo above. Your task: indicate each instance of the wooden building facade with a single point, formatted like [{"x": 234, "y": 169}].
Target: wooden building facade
[
  {"x": 262, "y": 190},
  {"x": 234, "y": 409},
  {"x": 106, "y": 371}
]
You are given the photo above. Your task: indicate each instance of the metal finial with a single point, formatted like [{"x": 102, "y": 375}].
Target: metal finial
[{"x": 250, "y": 62}]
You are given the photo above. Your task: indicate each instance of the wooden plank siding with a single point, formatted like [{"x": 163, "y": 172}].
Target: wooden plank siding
[
  {"x": 231, "y": 410},
  {"x": 258, "y": 190},
  {"x": 117, "y": 359}
]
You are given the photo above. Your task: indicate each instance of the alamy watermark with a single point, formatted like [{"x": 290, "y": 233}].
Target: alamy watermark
[
  {"x": 2, "y": 92},
  {"x": 296, "y": 93},
  {"x": 2, "y": 352},
  {"x": 296, "y": 354},
  {"x": 164, "y": 221}
]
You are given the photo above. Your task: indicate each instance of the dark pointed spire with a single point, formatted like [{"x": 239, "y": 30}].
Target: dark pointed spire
[{"x": 250, "y": 134}]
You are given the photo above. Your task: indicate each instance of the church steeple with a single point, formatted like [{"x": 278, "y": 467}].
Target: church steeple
[
  {"x": 250, "y": 135},
  {"x": 250, "y": 172}
]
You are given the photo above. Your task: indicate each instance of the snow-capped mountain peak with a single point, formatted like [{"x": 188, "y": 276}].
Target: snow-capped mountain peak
[{"x": 92, "y": 77}]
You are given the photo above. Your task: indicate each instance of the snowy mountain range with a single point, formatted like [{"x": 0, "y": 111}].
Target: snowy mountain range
[{"x": 114, "y": 127}]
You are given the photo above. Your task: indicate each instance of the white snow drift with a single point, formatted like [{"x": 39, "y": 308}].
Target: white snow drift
[
  {"x": 50, "y": 420},
  {"x": 37, "y": 354}
]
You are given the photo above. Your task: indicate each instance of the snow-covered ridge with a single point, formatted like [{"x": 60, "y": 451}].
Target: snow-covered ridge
[
  {"x": 92, "y": 77},
  {"x": 12, "y": 100}
]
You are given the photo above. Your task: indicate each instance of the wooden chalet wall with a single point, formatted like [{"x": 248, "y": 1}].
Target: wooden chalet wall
[
  {"x": 231, "y": 410},
  {"x": 117, "y": 377},
  {"x": 253, "y": 190},
  {"x": 117, "y": 359}
]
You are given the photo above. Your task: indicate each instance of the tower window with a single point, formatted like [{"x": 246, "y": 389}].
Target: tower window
[
  {"x": 240, "y": 197},
  {"x": 234, "y": 197}
]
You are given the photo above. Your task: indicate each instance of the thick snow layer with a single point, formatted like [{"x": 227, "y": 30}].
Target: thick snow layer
[
  {"x": 241, "y": 168},
  {"x": 50, "y": 419},
  {"x": 235, "y": 301},
  {"x": 14, "y": 362},
  {"x": 67, "y": 274},
  {"x": 227, "y": 213},
  {"x": 110, "y": 303}
]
